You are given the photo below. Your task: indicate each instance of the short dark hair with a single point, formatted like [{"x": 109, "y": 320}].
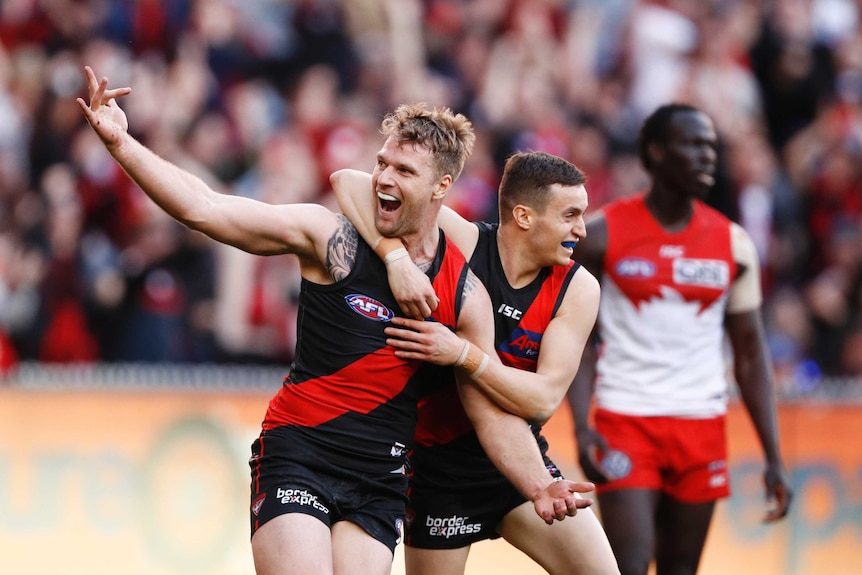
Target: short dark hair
[
  {"x": 527, "y": 176},
  {"x": 655, "y": 128}
]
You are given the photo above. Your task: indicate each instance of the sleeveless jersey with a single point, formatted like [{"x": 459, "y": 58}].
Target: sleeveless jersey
[
  {"x": 348, "y": 398},
  {"x": 661, "y": 315},
  {"x": 447, "y": 447}
]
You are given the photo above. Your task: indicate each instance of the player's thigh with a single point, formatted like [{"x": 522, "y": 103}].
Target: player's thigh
[
  {"x": 293, "y": 543},
  {"x": 681, "y": 534},
  {"x": 419, "y": 561},
  {"x": 355, "y": 552},
  {"x": 577, "y": 545},
  {"x": 627, "y": 516}
]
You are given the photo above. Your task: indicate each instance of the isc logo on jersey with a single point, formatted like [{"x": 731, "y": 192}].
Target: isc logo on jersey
[
  {"x": 702, "y": 273},
  {"x": 368, "y": 307},
  {"x": 635, "y": 268}
]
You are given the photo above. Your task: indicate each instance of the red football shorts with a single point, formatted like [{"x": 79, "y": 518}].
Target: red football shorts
[{"x": 684, "y": 458}]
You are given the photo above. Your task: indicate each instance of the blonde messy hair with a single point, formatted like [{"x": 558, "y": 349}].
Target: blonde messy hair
[{"x": 447, "y": 135}]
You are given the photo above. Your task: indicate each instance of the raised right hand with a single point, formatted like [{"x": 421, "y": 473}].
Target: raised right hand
[{"x": 104, "y": 115}]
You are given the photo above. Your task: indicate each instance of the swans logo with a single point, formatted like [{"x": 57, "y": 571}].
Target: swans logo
[
  {"x": 616, "y": 464},
  {"x": 369, "y": 307}
]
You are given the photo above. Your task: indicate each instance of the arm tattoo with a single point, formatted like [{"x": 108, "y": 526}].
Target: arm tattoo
[
  {"x": 341, "y": 249},
  {"x": 471, "y": 283}
]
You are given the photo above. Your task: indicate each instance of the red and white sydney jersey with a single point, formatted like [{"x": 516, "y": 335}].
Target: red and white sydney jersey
[{"x": 661, "y": 316}]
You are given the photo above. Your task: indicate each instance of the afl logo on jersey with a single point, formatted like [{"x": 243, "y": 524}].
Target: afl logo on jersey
[
  {"x": 368, "y": 307},
  {"x": 635, "y": 268}
]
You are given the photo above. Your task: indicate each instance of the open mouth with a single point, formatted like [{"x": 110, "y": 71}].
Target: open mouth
[
  {"x": 569, "y": 245},
  {"x": 388, "y": 203}
]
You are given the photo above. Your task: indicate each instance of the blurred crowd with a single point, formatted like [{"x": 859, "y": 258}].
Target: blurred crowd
[{"x": 265, "y": 98}]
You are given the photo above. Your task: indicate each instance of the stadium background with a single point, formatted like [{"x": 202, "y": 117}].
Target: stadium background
[{"x": 136, "y": 358}]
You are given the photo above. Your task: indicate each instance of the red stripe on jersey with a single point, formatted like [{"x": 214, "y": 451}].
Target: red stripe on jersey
[
  {"x": 360, "y": 387},
  {"x": 541, "y": 311},
  {"x": 442, "y": 418}
]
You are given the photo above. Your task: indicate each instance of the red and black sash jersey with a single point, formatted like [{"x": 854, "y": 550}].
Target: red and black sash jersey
[
  {"x": 520, "y": 315},
  {"x": 347, "y": 391},
  {"x": 520, "y": 318}
]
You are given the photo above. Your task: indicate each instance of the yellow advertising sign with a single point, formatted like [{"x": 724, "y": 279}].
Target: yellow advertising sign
[{"x": 156, "y": 483}]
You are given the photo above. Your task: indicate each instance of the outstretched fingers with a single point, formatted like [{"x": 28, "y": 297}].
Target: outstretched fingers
[
  {"x": 567, "y": 507},
  {"x": 99, "y": 92},
  {"x": 560, "y": 499},
  {"x": 110, "y": 96},
  {"x": 91, "y": 80},
  {"x": 573, "y": 501}
]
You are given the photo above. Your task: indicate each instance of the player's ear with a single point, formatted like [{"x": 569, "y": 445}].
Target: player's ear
[
  {"x": 443, "y": 185},
  {"x": 655, "y": 152},
  {"x": 523, "y": 216}
]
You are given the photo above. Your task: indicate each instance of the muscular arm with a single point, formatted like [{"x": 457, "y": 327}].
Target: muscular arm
[
  {"x": 252, "y": 226},
  {"x": 506, "y": 438},
  {"x": 753, "y": 369},
  {"x": 752, "y": 365},
  {"x": 532, "y": 396},
  {"x": 357, "y": 200},
  {"x": 536, "y": 396},
  {"x": 462, "y": 232},
  {"x": 754, "y": 377},
  {"x": 247, "y": 224}
]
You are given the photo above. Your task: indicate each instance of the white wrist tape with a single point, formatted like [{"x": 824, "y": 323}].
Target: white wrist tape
[
  {"x": 463, "y": 357},
  {"x": 396, "y": 255},
  {"x": 481, "y": 369}
]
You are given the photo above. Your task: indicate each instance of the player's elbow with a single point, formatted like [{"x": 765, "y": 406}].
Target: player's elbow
[
  {"x": 541, "y": 418},
  {"x": 542, "y": 412},
  {"x": 343, "y": 178},
  {"x": 532, "y": 411},
  {"x": 335, "y": 179}
]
